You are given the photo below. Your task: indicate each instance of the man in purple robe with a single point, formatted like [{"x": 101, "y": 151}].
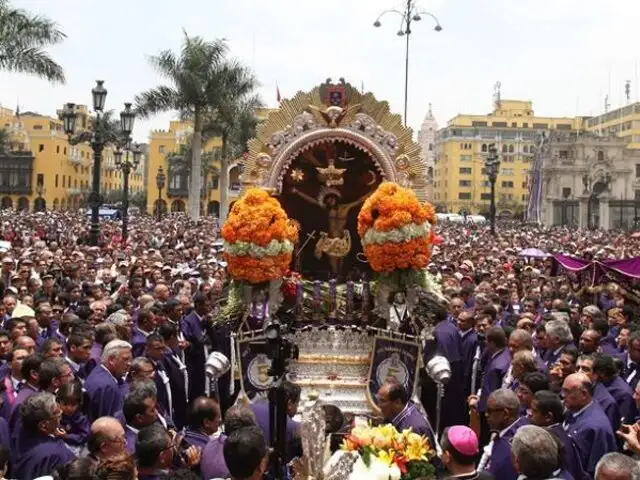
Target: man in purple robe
[
  {"x": 503, "y": 416},
  {"x": 37, "y": 451},
  {"x": 105, "y": 385},
  {"x": 499, "y": 360},
  {"x": 557, "y": 337},
  {"x": 397, "y": 409},
  {"x": 606, "y": 372},
  {"x": 146, "y": 326},
  {"x": 631, "y": 361},
  {"x": 469, "y": 337},
  {"x": 78, "y": 353},
  {"x": 46, "y": 326},
  {"x": 203, "y": 421},
  {"x": 600, "y": 393},
  {"x": 177, "y": 371},
  {"x": 139, "y": 411},
  {"x": 154, "y": 351},
  {"x": 261, "y": 412},
  {"x": 196, "y": 329},
  {"x": 30, "y": 369},
  {"x": 535, "y": 454},
  {"x": 586, "y": 423},
  {"x": 547, "y": 411}
]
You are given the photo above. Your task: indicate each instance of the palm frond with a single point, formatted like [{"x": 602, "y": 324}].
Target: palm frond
[
  {"x": 23, "y": 37},
  {"x": 159, "y": 99}
]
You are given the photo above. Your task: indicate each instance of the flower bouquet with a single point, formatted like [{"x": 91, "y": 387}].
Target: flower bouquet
[
  {"x": 258, "y": 246},
  {"x": 396, "y": 231},
  {"x": 385, "y": 453}
]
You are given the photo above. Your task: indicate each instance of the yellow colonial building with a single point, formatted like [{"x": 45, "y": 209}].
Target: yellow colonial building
[
  {"x": 460, "y": 182},
  {"x": 623, "y": 122},
  {"x": 42, "y": 170},
  {"x": 164, "y": 151}
]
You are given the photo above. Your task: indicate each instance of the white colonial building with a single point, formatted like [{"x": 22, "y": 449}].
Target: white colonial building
[
  {"x": 427, "y": 139},
  {"x": 588, "y": 181}
]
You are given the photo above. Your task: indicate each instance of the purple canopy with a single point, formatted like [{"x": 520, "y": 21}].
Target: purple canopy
[{"x": 626, "y": 270}]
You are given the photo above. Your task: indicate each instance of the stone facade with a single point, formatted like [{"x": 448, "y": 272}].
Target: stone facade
[
  {"x": 427, "y": 140},
  {"x": 589, "y": 181}
]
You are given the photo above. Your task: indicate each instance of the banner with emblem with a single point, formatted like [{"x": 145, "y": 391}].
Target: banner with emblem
[
  {"x": 254, "y": 368},
  {"x": 393, "y": 358}
]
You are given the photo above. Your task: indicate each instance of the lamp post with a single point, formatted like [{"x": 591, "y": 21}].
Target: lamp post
[
  {"x": 99, "y": 138},
  {"x": 492, "y": 165},
  {"x": 160, "y": 179},
  {"x": 127, "y": 117},
  {"x": 410, "y": 14}
]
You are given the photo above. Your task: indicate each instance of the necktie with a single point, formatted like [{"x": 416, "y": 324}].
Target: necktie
[
  {"x": 19, "y": 386},
  {"x": 570, "y": 420},
  {"x": 632, "y": 368}
]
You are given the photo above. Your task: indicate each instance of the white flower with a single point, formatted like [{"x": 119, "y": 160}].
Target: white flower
[{"x": 378, "y": 470}]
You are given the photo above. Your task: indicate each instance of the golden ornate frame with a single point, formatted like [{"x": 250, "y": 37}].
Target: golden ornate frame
[{"x": 305, "y": 121}]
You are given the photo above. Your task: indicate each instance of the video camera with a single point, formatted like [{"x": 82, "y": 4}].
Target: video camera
[{"x": 277, "y": 348}]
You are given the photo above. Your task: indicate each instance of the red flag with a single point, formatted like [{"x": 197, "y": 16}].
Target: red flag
[{"x": 277, "y": 93}]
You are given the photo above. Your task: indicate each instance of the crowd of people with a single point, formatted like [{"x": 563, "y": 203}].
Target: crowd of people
[{"x": 103, "y": 352}]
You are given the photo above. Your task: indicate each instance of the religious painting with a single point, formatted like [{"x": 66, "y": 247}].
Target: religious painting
[{"x": 323, "y": 190}]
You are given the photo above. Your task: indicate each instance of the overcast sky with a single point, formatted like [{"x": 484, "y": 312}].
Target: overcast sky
[{"x": 564, "y": 55}]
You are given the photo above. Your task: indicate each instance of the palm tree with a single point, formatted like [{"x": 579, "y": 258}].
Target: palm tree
[
  {"x": 23, "y": 37},
  {"x": 5, "y": 141},
  {"x": 193, "y": 91},
  {"x": 234, "y": 121}
]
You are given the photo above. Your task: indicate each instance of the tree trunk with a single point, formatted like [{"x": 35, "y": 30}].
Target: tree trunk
[
  {"x": 224, "y": 181},
  {"x": 196, "y": 167}
]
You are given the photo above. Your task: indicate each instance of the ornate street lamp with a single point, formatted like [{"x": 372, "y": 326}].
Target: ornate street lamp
[
  {"x": 99, "y": 138},
  {"x": 410, "y": 14},
  {"x": 160, "y": 180},
  {"x": 99, "y": 94},
  {"x": 126, "y": 166},
  {"x": 492, "y": 165}
]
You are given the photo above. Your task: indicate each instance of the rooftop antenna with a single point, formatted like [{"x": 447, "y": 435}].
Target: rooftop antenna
[
  {"x": 362, "y": 87},
  {"x": 606, "y": 104},
  {"x": 627, "y": 91},
  {"x": 496, "y": 94}
]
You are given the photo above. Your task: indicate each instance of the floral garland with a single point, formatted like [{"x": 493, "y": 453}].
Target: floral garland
[
  {"x": 395, "y": 229},
  {"x": 258, "y": 238},
  {"x": 386, "y": 453}
]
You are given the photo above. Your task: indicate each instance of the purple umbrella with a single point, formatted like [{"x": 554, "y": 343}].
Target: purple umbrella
[{"x": 533, "y": 253}]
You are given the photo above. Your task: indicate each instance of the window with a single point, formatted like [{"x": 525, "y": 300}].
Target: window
[
  {"x": 505, "y": 149},
  {"x": 510, "y": 148},
  {"x": 563, "y": 126},
  {"x": 525, "y": 125},
  {"x": 507, "y": 172},
  {"x": 37, "y": 127},
  {"x": 484, "y": 148},
  {"x": 56, "y": 180},
  {"x": 524, "y": 197},
  {"x": 41, "y": 148},
  {"x": 566, "y": 192},
  {"x": 637, "y": 194},
  {"x": 57, "y": 148},
  {"x": 637, "y": 170},
  {"x": 75, "y": 183},
  {"x": 465, "y": 158},
  {"x": 514, "y": 124},
  {"x": 564, "y": 154},
  {"x": 507, "y": 184},
  {"x": 64, "y": 151},
  {"x": 161, "y": 149},
  {"x": 40, "y": 179},
  {"x": 600, "y": 156},
  {"x": 478, "y": 124},
  {"x": 485, "y": 196},
  {"x": 542, "y": 126},
  {"x": 464, "y": 196},
  {"x": 431, "y": 147},
  {"x": 465, "y": 171},
  {"x": 465, "y": 183},
  {"x": 499, "y": 124}
]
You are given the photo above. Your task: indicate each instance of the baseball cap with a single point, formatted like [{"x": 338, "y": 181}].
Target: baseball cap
[{"x": 463, "y": 439}]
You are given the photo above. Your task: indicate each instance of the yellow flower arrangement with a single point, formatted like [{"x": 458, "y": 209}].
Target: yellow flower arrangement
[
  {"x": 396, "y": 229},
  {"x": 409, "y": 451},
  {"x": 258, "y": 238}
]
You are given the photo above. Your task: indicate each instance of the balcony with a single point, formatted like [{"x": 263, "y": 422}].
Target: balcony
[
  {"x": 16, "y": 172},
  {"x": 75, "y": 160},
  {"x": 180, "y": 191}
]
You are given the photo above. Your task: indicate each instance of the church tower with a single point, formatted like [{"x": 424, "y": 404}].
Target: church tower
[{"x": 427, "y": 140}]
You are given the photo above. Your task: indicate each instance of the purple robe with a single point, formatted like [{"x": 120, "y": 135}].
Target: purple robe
[
  {"x": 411, "y": 418},
  {"x": 105, "y": 393},
  {"x": 195, "y": 355},
  {"x": 14, "y": 416},
  {"x": 499, "y": 463},
  {"x": 497, "y": 367},
  {"x": 571, "y": 460},
  {"x": 213, "y": 464},
  {"x": 469, "y": 341},
  {"x": 623, "y": 395},
  {"x": 449, "y": 345},
  {"x": 194, "y": 438},
  {"x": 608, "y": 404},
  {"x": 178, "y": 382},
  {"x": 37, "y": 455},
  {"x": 609, "y": 346},
  {"x": 130, "y": 439},
  {"x": 261, "y": 412},
  {"x": 592, "y": 432},
  {"x": 138, "y": 342},
  {"x": 77, "y": 427}
]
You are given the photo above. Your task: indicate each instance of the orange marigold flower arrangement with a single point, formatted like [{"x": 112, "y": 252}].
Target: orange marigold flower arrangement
[
  {"x": 396, "y": 229},
  {"x": 258, "y": 238}
]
